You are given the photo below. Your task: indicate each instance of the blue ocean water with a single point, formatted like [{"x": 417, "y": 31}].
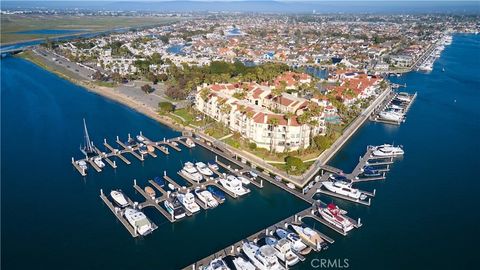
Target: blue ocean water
[
  {"x": 52, "y": 217},
  {"x": 424, "y": 216}
]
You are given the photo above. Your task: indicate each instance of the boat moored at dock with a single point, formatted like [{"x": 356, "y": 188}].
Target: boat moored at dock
[
  {"x": 231, "y": 183},
  {"x": 175, "y": 208},
  {"x": 119, "y": 198},
  {"x": 388, "y": 150},
  {"x": 188, "y": 201},
  {"x": 189, "y": 171},
  {"x": 334, "y": 215},
  {"x": 297, "y": 244},
  {"x": 206, "y": 197},
  {"x": 344, "y": 188},
  {"x": 242, "y": 264},
  {"x": 189, "y": 142},
  {"x": 139, "y": 221},
  {"x": 310, "y": 236},
  {"x": 263, "y": 257},
  {"x": 217, "y": 264},
  {"x": 217, "y": 193},
  {"x": 203, "y": 169}
]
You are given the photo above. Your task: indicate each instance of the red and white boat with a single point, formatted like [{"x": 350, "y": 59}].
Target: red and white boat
[{"x": 335, "y": 216}]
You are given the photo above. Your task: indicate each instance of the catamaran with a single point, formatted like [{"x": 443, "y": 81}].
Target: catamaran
[
  {"x": 188, "y": 201},
  {"x": 334, "y": 215},
  {"x": 119, "y": 198},
  {"x": 263, "y": 258},
  {"x": 139, "y": 221},
  {"x": 234, "y": 185}
]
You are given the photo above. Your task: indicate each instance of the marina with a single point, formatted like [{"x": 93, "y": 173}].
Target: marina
[{"x": 394, "y": 109}]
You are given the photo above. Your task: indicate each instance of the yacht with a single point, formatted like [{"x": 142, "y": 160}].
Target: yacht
[
  {"x": 297, "y": 244},
  {"x": 388, "y": 150},
  {"x": 119, "y": 198},
  {"x": 174, "y": 207},
  {"x": 404, "y": 97},
  {"x": 150, "y": 192},
  {"x": 390, "y": 116},
  {"x": 203, "y": 169},
  {"x": 217, "y": 193},
  {"x": 206, "y": 197},
  {"x": 191, "y": 172},
  {"x": 263, "y": 258},
  {"x": 213, "y": 166},
  {"x": 345, "y": 189},
  {"x": 217, "y": 264},
  {"x": 82, "y": 164},
  {"x": 189, "y": 142},
  {"x": 98, "y": 161},
  {"x": 188, "y": 201},
  {"x": 285, "y": 253},
  {"x": 310, "y": 236},
  {"x": 333, "y": 215},
  {"x": 241, "y": 264},
  {"x": 234, "y": 185},
  {"x": 139, "y": 221}
]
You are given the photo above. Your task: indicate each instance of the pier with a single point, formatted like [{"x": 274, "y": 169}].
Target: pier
[
  {"x": 114, "y": 152},
  {"x": 405, "y": 106}
]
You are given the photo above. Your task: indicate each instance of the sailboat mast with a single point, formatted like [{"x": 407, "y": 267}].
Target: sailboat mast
[{"x": 88, "y": 143}]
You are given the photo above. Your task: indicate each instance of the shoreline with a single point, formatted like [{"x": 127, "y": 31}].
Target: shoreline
[{"x": 298, "y": 180}]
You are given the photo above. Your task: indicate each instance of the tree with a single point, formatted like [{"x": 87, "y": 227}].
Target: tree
[
  {"x": 294, "y": 164},
  {"x": 166, "y": 107},
  {"x": 116, "y": 77},
  {"x": 147, "y": 88},
  {"x": 152, "y": 77},
  {"x": 162, "y": 77},
  {"x": 98, "y": 76},
  {"x": 273, "y": 122},
  {"x": 252, "y": 146}
]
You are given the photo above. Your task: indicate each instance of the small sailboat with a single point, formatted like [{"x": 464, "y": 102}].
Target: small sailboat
[{"x": 87, "y": 147}]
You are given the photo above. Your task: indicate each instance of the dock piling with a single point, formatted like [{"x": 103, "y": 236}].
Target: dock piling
[
  {"x": 101, "y": 191},
  {"x": 134, "y": 182}
]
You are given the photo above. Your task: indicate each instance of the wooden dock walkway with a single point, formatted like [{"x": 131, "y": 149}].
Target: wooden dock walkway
[{"x": 119, "y": 214}]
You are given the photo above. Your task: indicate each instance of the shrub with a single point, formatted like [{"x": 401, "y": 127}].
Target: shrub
[{"x": 165, "y": 107}]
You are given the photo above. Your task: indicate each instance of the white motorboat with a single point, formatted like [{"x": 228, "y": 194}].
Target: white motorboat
[
  {"x": 203, "y": 169},
  {"x": 98, "y": 161},
  {"x": 191, "y": 172},
  {"x": 234, "y": 185},
  {"x": 140, "y": 138},
  {"x": 119, "y": 198},
  {"x": 388, "y": 150},
  {"x": 82, "y": 164},
  {"x": 297, "y": 244},
  {"x": 217, "y": 264},
  {"x": 241, "y": 264},
  {"x": 244, "y": 180},
  {"x": 206, "y": 197},
  {"x": 175, "y": 208},
  {"x": 403, "y": 97},
  {"x": 139, "y": 221},
  {"x": 263, "y": 258},
  {"x": 390, "y": 116},
  {"x": 189, "y": 142},
  {"x": 344, "y": 189},
  {"x": 285, "y": 253},
  {"x": 310, "y": 236},
  {"x": 188, "y": 201},
  {"x": 333, "y": 215},
  {"x": 213, "y": 166}
]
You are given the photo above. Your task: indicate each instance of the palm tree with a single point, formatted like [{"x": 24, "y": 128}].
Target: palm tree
[
  {"x": 288, "y": 116},
  {"x": 273, "y": 122}
]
